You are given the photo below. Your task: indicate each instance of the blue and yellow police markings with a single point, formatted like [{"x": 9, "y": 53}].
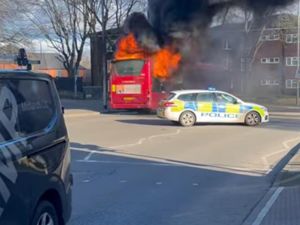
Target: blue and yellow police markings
[
  {"x": 220, "y": 111},
  {"x": 191, "y": 105},
  {"x": 212, "y": 109},
  {"x": 207, "y": 107},
  {"x": 179, "y": 106}
]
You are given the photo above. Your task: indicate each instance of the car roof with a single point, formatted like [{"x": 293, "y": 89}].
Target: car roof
[
  {"x": 23, "y": 74},
  {"x": 190, "y": 91}
]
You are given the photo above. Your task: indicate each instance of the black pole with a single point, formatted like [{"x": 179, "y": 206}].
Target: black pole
[{"x": 104, "y": 61}]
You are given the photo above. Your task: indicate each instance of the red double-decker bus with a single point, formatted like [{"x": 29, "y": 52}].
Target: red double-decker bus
[{"x": 132, "y": 85}]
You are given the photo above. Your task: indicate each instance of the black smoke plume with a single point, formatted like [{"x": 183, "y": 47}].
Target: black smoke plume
[
  {"x": 143, "y": 31},
  {"x": 170, "y": 17},
  {"x": 184, "y": 23}
]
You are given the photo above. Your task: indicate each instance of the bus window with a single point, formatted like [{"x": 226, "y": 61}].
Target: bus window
[{"x": 129, "y": 68}]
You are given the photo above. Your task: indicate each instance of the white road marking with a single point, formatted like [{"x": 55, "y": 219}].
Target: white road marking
[
  {"x": 126, "y": 162},
  {"x": 262, "y": 214},
  {"x": 123, "y": 181},
  {"x": 163, "y": 162},
  {"x": 158, "y": 183},
  {"x": 286, "y": 148},
  {"x": 89, "y": 156},
  {"x": 164, "y": 135},
  {"x": 139, "y": 142}
]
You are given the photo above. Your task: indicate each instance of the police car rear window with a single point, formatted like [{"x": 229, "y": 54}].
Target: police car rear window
[
  {"x": 188, "y": 97},
  {"x": 26, "y": 107},
  {"x": 170, "y": 96}
]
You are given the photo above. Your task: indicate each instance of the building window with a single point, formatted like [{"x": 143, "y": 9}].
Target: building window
[
  {"x": 227, "y": 46},
  {"x": 269, "y": 83},
  {"x": 292, "y": 61},
  {"x": 291, "y": 38},
  {"x": 274, "y": 60},
  {"x": 270, "y": 37},
  {"x": 291, "y": 84}
]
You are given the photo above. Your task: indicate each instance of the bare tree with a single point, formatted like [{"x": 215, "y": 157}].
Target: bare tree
[
  {"x": 65, "y": 27},
  {"x": 106, "y": 15},
  {"x": 109, "y": 14},
  {"x": 11, "y": 27}
]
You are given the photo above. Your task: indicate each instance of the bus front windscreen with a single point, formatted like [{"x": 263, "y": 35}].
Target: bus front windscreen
[{"x": 129, "y": 68}]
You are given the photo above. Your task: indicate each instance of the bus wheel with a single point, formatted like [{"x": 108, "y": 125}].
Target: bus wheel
[{"x": 187, "y": 119}]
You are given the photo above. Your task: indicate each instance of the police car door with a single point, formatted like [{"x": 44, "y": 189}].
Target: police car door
[
  {"x": 228, "y": 108},
  {"x": 207, "y": 108}
]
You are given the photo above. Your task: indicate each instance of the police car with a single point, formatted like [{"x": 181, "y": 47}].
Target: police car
[{"x": 188, "y": 107}]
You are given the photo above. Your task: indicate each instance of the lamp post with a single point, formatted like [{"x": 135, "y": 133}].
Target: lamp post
[{"x": 104, "y": 62}]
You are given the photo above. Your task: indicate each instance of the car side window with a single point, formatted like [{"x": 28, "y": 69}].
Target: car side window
[
  {"x": 8, "y": 114},
  {"x": 205, "y": 97},
  {"x": 28, "y": 106},
  {"x": 188, "y": 97},
  {"x": 225, "y": 98}
]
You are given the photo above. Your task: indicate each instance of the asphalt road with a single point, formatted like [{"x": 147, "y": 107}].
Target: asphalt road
[{"x": 140, "y": 170}]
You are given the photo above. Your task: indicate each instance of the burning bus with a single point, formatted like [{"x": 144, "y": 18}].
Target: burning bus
[
  {"x": 132, "y": 85},
  {"x": 137, "y": 76},
  {"x": 147, "y": 63}
]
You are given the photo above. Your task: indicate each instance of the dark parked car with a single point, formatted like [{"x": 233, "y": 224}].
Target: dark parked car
[{"x": 35, "y": 178}]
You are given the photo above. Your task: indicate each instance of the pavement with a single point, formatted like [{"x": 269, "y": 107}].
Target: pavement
[
  {"x": 136, "y": 169},
  {"x": 281, "y": 204}
]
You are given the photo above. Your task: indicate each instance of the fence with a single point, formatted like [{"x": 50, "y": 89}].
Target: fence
[{"x": 66, "y": 84}]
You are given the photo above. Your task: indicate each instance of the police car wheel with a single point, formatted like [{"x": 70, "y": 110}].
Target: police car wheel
[
  {"x": 187, "y": 119},
  {"x": 252, "y": 119},
  {"x": 45, "y": 214}
]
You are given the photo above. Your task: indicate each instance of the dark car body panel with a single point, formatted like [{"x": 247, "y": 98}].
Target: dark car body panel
[{"x": 40, "y": 162}]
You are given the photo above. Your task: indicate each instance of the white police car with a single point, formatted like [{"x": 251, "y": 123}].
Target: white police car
[{"x": 188, "y": 107}]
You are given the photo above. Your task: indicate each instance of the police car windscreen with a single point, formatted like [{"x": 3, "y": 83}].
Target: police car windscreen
[{"x": 129, "y": 68}]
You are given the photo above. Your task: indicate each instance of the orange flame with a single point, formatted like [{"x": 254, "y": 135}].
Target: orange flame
[
  {"x": 165, "y": 61},
  {"x": 128, "y": 49}
]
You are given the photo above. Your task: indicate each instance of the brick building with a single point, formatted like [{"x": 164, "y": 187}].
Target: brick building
[
  {"x": 49, "y": 64},
  {"x": 7, "y": 62},
  {"x": 264, "y": 61}
]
